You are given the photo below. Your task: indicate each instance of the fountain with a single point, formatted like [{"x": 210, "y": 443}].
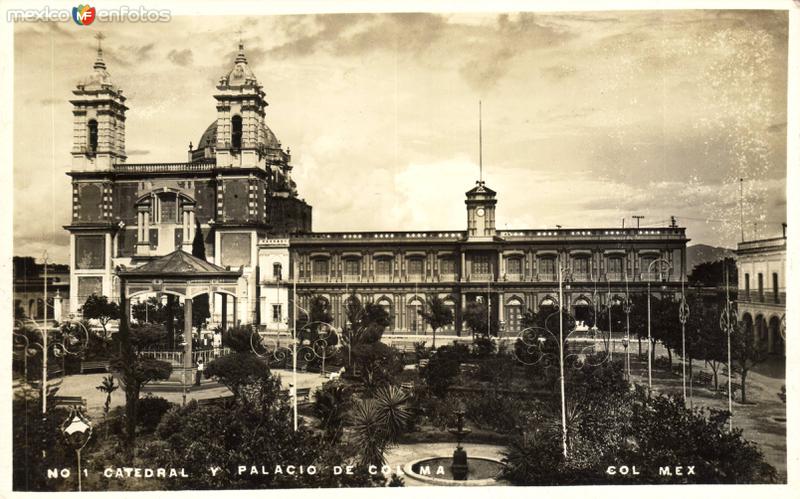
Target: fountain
[
  {"x": 463, "y": 470},
  {"x": 459, "y": 467}
]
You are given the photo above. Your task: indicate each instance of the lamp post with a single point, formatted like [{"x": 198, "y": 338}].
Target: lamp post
[
  {"x": 728, "y": 319},
  {"x": 77, "y": 431},
  {"x": 683, "y": 315},
  {"x": 532, "y": 348},
  {"x": 649, "y": 333},
  {"x": 626, "y": 342},
  {"x": 610, "y": 338},
  {"x": 44, "y": 341}
]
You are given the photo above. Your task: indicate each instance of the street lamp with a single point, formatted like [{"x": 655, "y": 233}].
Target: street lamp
[
  {"x": 649, "y": 334},
  {"x": 531, "y": 350},
  {"x": 77, "y": 431},
  {"x": 727, "y": 320},
  {"x": 683, "y": 315}
]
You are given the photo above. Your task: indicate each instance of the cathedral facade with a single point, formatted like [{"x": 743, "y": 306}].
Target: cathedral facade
[{"x": 235, "y": 187}]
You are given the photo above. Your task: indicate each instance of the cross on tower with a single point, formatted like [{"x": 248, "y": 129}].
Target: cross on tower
[
  {"x": 99, "y": 36},
  {"x": 240, "y": 34}
]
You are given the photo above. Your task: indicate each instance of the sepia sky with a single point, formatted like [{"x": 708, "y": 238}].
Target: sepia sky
[{"x": 588, "y": 118}]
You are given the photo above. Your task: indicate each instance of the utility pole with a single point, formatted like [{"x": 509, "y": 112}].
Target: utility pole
[{"x": 638, "y": 219}]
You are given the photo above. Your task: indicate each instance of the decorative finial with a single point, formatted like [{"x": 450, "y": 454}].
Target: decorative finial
[
  {"x": 99, "y": 63},
  {"x": 240, "y": 57}
]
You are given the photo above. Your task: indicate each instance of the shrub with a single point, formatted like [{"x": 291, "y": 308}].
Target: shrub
[
  {"x": 151, "y": 410},
  {"x": 496, "y": 369},
  {"x": 483, "y": 347},
  {"x": 442, "y": 369},
  {"x": 661, "y": 362}
]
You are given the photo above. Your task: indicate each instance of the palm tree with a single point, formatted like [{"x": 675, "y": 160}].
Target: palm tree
[
  {"x": 108, "y": 387},
  {"x": 437, "y": 314},
  {"x": 378, "y": 423},
  {"x": 393, "y": 408},
  {"x": 331, "y": 402},
  {"x": 368, "y": 432}
]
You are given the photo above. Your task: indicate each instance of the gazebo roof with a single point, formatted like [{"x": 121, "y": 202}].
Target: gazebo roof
[{"x": 179, "y": 263}]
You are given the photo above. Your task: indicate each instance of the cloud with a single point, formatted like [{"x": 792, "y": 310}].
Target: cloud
[
  {"x": 138, "y": 152},
  {"x": 180, "y": 57}
]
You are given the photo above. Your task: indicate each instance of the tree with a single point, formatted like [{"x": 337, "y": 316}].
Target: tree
[
  {"x": 704, "y": 339},
  {"x": 147, "y": 335},
  {"x": 666, "y": 326},
  {"x": 442, "y": 369},
  {"x": 242, "y": 338},
  {"x": 378, "y": 423},
  {"x": 642, "y": 428},
  {"x": 136, "y": 371},
  {"x": 331, "y": 403},
  {"x": 200, "y": 309},
  {"x": 746, "y": 353},
  {"x": 437, "y": 314},
  {"x": 476, "y": 316},
  {"x": 236, "y": 370},
  {"x": 310, "y": 323},
  {"x": 378, "y": 364},
  {"x": 99, "y": 308},
  {"x": 365, "y": 326},
  {"x": 108, "y": 387},
  {"x": 135, "y": 376},
  {"x": 253, "y": 430},
  {"x": 712, "y": 274}
]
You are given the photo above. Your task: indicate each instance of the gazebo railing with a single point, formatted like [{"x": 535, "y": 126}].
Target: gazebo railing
[{"x": 177, "y": 356}]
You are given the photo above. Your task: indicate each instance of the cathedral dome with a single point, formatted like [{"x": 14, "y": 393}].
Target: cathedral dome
[{"x": 209, "y": 138}]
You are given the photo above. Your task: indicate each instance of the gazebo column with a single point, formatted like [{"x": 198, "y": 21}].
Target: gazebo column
[
  {"x": 187, "y": 337},
  {"x": 235, "y": 320},
  {"x": 224, "y": 313}
]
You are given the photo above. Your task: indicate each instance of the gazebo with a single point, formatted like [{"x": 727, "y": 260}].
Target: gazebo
[{"x": 178, "y": 274}]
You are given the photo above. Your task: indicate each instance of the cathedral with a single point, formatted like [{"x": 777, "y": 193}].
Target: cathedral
[{"x": 235, "y": 187}]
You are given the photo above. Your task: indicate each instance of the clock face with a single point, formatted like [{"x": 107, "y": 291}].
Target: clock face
[{"x": 480, "y": 212}]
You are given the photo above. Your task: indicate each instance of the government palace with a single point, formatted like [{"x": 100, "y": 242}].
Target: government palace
[{"x": 235, "y": 186}]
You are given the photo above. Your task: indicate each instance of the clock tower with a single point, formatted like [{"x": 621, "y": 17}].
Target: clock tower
[{"x": 480, "y": 212}]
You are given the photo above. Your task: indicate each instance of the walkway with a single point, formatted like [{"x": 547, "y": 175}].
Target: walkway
[{"x": 83, "y": 385}]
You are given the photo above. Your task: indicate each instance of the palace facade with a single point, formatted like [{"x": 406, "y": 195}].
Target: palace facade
[
  {"x": 235, "y": 187},
  {"x": 761, "y": 299}
]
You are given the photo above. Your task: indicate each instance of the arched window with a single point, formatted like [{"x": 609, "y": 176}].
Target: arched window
[
  {"x": 320, "y": 270},
  {"x": 383, "y": 269},
  {"x": 351, "y": 268},
  {"x": 415, "y": 269},
  {"x": 514, "y": 310},
  {"x": 277, "y": 271},
  {"x": 514, "y": 267},
  {"x": 547, "y": 269},
  {"x": 92, "y": 136},
  {"x": 580, "y": 267},
  {"x": 386, "y": 305},
  {"x": 614, "y": 269},
  {"x": 236, "y": 132},
  {"x": 414, "y": 322}
]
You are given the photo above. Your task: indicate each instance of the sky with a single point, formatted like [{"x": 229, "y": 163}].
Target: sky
[{"x": 588, "y": 118}]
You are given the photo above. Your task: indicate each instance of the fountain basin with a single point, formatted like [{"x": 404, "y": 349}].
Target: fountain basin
[{"x": 482, "y": 471}]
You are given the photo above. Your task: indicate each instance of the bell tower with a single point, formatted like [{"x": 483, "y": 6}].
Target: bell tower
[
  {"x": 480, "y": 203},
  {"x": 241, "y": 104},
  {"x": 98, "y": 109}
]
